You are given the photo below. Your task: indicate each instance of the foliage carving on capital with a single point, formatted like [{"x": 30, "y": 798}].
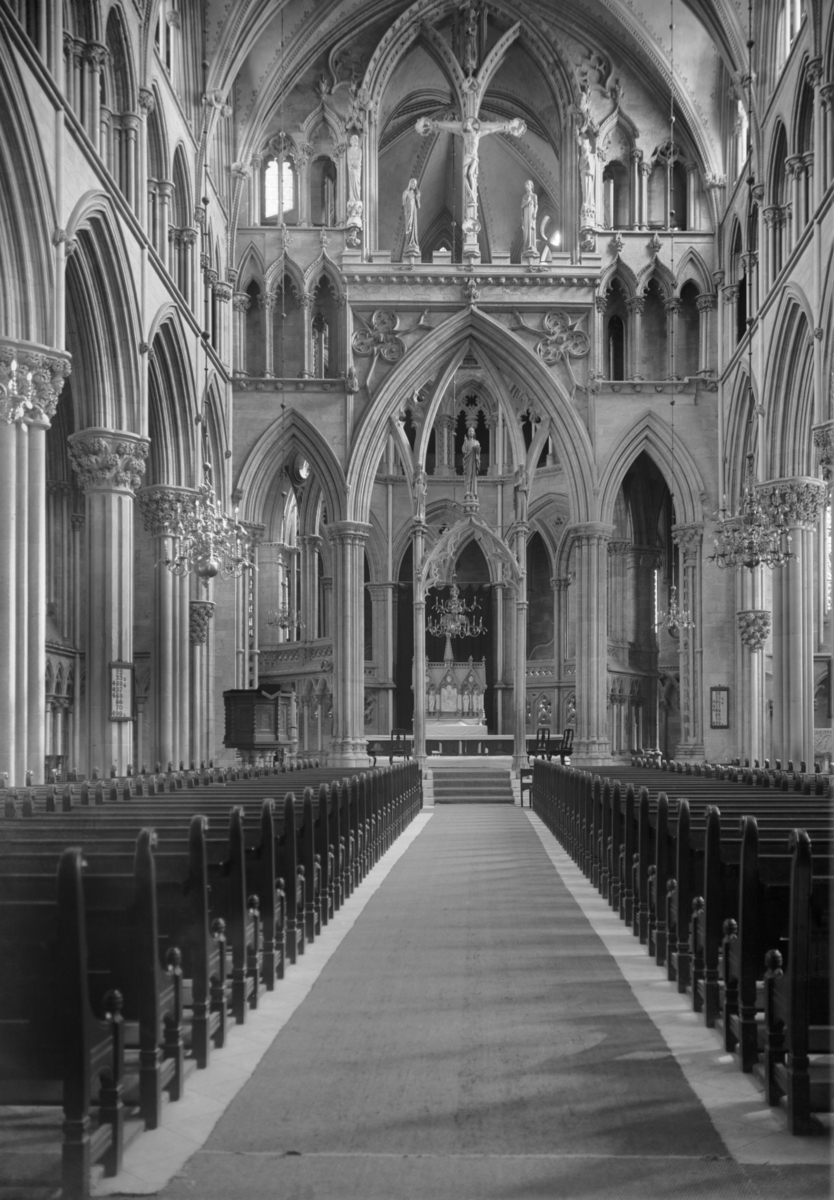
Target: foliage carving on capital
[
  {"x": 108, "y": 461},
  {"x": 688, "y": 538},
  {"x": 754, "y": 627},
  {"x": 222, "y": 291},
  {"x": 241, "y": 302},
  {"x": 705, "y": 302},
  {"x": 30, "y": 382},
  {"x": 794, "y": 502},
  {"x": 165, "y": 511},
  {"x": 200, "y": 613},
  {"x": 824, "y": 444}
]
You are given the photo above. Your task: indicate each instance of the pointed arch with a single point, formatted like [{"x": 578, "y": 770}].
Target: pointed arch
[
  {"x": 692, "y": 267},
  {"x": 106, "y": 388},
  {"x": 120, "y": 74},
  {"x": 183, "y": 200},
  {"x": 171, "y": 402},
  {"x": 621, "y": 271},
  {"x": 275, "y": 272},
  {"x": 438, "y": 563},
  {"x": 649, "y": 433},
  {"x": 789, "y": 399},
  {"x": 250, "y": 266},
  {"x": 658, "y": 271},
  {"x": 292, "y": 432},
  {"x": 494, "y": 344},
  {"x": 325, "y": 267},
  {"x": 742, "y": 434},
  {"x": 26, "y": 215}
]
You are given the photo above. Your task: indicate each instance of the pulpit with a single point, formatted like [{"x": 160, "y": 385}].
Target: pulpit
[{"x": 261, "y": 720}]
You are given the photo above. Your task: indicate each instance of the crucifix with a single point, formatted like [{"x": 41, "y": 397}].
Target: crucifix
[{"x": 471, "y": 129}]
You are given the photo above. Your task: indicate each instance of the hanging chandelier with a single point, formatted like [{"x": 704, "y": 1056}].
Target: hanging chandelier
[
  {"x": 280, "y": 618},
  {"x": 675, "y": 618},
  {"x": 207, "y": 541},
  {"x": 758, "y": 536},
  {"x": 454, "y": 618}
]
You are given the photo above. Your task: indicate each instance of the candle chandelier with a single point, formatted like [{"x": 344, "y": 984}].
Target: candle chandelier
[
  {"x": 675, "y": 618},
  {"x": 206, "y": 540},
  {"x": 280, "y": 618},
  {"x": 758, "y": 536},
  {"x": 455, "y": 618}
]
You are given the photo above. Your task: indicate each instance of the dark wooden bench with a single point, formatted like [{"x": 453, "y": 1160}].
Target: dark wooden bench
[
  {"x": 53, "y": 1048},
  {"x": 798, "y": 999}
]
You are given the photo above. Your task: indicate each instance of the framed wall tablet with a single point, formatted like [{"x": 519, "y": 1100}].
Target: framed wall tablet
[
  {"x": 121, "y": 691},
  {"x": 719, "y": 708}
]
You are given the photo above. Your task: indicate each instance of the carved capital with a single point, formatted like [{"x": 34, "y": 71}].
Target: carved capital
[
  {"x": 713, "y": 181},
  {"x": 813, "y": 72},
  {"x": 96, "y": 55},
  {"x": 824, "y": 445},
  {"x": 827, "y": 94},
  {"x": 592, "y": 533},
  {"x": 794, "y": 503},
  {"x": 754, "y": 627},
  {"x": 689, "y": 539},
  {"x": 705, "y": 302},
  {"x": 241, "y": 302},
  {"x": 30, "y": 381},
  {"x": 267, "y": 301},
  {"x": 200, "y": 613},
  {"x": 635, "y": 305},
  {"x": 189, "y": 236},
  {"x": 108, "y": 460},
  {"x": 223, "y": 291},
  {"x": 77, "y": 522},
  {"x": 165, "y": 510},
  {"x": 731, "y": 293},
  {"x": 147, "y": 102}
]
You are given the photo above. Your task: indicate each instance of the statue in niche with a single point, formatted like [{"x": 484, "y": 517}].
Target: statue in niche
[
  {"x": 529, "y": 212},
  {"x": 431, "y": 699},
  {"x": 419, "y": 489},
  {"x": 522, "y": 487},
  {"x": 411, "y": 202},
  {"x": 471, "y": 462},
  {"x": 467, "y": 701},
  {"x": 354, "y": 164},
  {"x": 448, "y": 696},
  {"x": 587, "y": 173},
  {"x": 470, "y": 40}
]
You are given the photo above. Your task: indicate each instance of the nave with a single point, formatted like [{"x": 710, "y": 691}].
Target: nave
[{"x": 481, "y": 1026}]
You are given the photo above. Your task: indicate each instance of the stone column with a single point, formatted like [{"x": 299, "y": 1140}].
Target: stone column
[
  {"x": 147, "y": 102},
  {"x": 327, "y": 605},
  {"x": 730, "y": 291},
  {"x": 689, "y": 539},
  {"x": 164, "y": 194},
  {"x": 705, "y": 303},
  {"x": 163, "y": 511},
  {"x": 418, "y": 677},
  {"x": 672, "y": 307},
  {"x": 645, "y": 172},
  {"x": 798, "y": 502},
  {"x": 498, "y": 589},
  {"x": 241, "y": 303},
  {"x": 110, "y": 465},
  {"x": 754, "y": 629},
  {"x": 309, "y": 606},
  {"x": 200, "y": 613},
  {"x": 222, "y": 295},
  {"x": 636, "y": 157},
  {"x": 31, "y": 379},
  {"x": 95, "y": 56},
  {"x": 77, "y": 521},
  {"x": 824, "y": 170},
  {"x": 634, "y": 307},
  {"x": 382, "y": 609},
  {"x": 444, "y": 466},
  {"x": 347, "y": 542},
  {"x": 591, "y": 547},
  {"x": 267, "y": 303},
  {"x": 559, "y": 585}
]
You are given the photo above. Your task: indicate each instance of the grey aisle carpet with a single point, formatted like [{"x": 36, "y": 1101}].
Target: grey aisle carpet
[{"x": 472, "y": 1038}]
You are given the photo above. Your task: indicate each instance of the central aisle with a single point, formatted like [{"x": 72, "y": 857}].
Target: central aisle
[{"x": 471, "y": 1037}]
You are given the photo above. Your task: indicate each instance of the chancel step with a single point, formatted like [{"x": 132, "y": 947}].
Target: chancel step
[{"x": 473, "y": 786}]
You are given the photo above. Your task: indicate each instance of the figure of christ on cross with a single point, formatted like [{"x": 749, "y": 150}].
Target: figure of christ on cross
[{"x": 471, "y": 129}]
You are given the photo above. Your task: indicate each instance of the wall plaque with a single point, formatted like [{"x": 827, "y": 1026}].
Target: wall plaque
[
  {"x": 719, "y": 708},
  {"x": 121, "y": 691}
]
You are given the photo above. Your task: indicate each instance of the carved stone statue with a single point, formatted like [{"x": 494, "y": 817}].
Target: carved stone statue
[
  {"x": 471, "y": 462},
  {"x": 419, "y": 491},
  {"x": 587, "y": 172},
  {"x": 470, "y": 40},
  {"x": 529, "y": 213},
  {"x": 354, "y": 165},
  {"x": 411, "y": 202},
  {"x": 522, "y": 487}
]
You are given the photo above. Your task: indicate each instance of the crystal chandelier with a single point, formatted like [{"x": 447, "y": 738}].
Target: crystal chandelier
[
  {"x": 280, "y": 618},
  {"x": 206, "y": 541},
  {"x": 675, "y": 618},
  {"x": 757, "y": 537},
  {"x": 451, "y": 618}
]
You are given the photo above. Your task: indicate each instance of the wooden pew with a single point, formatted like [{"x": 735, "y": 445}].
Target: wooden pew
[
  {"x": 53, "y": 1049},
  {"x": 798, "y": 1012}
]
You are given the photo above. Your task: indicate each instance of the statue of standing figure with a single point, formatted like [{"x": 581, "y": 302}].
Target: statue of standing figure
[
  {"x": 354, "y": 165},
  {"x": 419, "y": 490},
  {"x": 470, "y": 42},
  {"x": 471, "y": 462},
  {"x": 587, "y": 172},
  {"x": 411, "y": 202},
  {"x": 529, "y": 213}
]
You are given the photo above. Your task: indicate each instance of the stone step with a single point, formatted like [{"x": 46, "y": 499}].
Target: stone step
[{"x": 475, "y": 787}]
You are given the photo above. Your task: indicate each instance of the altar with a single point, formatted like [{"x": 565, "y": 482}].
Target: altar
[{"x": 455, "y": 699}]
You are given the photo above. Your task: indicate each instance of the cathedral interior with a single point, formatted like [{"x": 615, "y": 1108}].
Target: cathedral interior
[
  {"x": 265, "y": 267},
  {"x": 413, "y": 394}
]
